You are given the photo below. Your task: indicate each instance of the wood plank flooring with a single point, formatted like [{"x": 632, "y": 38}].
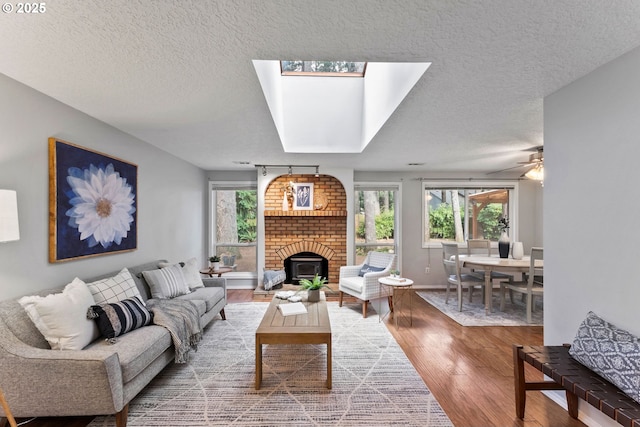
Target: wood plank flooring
[{"x": 468, "y": 369}]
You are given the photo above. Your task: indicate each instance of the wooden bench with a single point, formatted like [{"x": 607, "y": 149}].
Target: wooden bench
[{"x": 577, "y": 380}]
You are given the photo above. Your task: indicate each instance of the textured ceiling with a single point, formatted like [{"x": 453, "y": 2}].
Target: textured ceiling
[{"x": 178, "y": 74}]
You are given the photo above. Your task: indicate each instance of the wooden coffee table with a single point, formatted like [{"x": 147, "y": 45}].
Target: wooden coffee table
[{"x": 312, "y": 327}]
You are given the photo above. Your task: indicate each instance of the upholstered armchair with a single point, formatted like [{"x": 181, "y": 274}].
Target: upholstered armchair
[{"x": 361, "y": 281}]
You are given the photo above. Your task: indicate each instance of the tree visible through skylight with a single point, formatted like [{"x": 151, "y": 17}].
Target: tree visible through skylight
[{"x": 323, "y": 68}]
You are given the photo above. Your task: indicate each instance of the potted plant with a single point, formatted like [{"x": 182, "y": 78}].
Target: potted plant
[
  {"x": 215, "y": 262},
  {"x": 395, "y": 273},
  {"x": 313, "y": 287}
]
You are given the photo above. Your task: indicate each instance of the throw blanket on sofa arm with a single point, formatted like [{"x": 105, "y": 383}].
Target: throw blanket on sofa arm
[{"x": 181, "y": 319}]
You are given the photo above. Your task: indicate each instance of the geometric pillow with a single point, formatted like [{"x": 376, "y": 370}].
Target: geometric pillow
[
  {"x": 166, "y": 282},
  {"x": 118, "y": 318},
  {"x": 61, "y": 317},
  {"x": 609, "y": 351},
  {"x": 114, "y": 289}
]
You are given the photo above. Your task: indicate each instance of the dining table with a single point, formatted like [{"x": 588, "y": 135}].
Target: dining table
[{"x": 495, "y": 263}]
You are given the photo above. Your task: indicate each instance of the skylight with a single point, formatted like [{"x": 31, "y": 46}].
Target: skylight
[{"x": 323, "y": 68}]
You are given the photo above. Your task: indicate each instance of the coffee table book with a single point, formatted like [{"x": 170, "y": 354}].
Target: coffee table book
[{"x": 292, "y": 309}]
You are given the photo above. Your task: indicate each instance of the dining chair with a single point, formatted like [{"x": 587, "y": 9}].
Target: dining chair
[
  {"x": 455, "y": 276},
  {"x": 531, "y": 286}
]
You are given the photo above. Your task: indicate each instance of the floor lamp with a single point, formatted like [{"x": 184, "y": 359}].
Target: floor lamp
[
  {"x": 7, "y": 411},
  {"x": 8, "y": 232}
]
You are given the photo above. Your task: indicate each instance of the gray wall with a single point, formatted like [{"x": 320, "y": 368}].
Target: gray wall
[
  {"x": 171, "y": 192},
  {"x": 591, "y": 197}
]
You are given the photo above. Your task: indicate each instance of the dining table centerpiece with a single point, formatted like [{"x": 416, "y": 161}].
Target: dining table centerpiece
[{"x": 504, "y": 242}]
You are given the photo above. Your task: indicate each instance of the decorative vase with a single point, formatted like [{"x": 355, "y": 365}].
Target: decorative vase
[
  {"x": 503, "y": 245},
  {"x": 517, "y": 252},
  {"x": 313, "y": 295},
  {"x": 285, "y": 202}
]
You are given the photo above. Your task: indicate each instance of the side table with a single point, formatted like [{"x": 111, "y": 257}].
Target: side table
[
  {"x": 220, "y": 271},
  {"x": 396, "y": 303}
]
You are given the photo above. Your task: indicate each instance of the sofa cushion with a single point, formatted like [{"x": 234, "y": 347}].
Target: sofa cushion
[
  {"x": 210, "y": 295},
  {"x": 118, "y": 318},
  {"x": 137, "y": 349},
  {"x": 354, "y": 283},
  {"x": 115, "y": 288},
  {"x": 166, "y": 282},
  {"x": 609, "y": 351},
  {"x": 62, "y": 317},
  {"x": 366, "y": 268}
]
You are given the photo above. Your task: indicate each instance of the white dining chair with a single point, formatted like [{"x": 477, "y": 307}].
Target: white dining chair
[
  {"x": 530, "y": 287},
  {"x": 455, "y": 276}
]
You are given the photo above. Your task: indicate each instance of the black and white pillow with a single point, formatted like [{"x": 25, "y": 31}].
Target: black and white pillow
[
  {"x": 118, "y": 318},
  {"x": 609, "y": 351},
  {"x": 166, "y": 283}
]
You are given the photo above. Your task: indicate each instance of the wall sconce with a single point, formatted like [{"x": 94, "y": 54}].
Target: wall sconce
[{"x": 9, "y": 229}]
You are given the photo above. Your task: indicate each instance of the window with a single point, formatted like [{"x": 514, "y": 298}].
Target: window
[
  {"x": 323, "y": 68},
  {"x": 455, "y": 212},
  {"x": 376, "y": 219},
  {"x": 234, "y": 208}
]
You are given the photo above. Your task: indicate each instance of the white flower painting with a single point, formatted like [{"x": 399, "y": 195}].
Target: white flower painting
[{"x": 92, "y": 204}]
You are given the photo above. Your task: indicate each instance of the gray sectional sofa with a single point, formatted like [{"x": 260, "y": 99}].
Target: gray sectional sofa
[{"x": 100, "y": 379}]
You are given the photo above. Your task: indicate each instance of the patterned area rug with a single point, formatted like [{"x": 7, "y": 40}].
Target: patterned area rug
[
  {"x": 374, "y": 384},
  {"x": 473, "y": 314}
]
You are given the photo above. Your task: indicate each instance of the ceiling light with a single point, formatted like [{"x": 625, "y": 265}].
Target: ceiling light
[{"x": 536, "y": 173}]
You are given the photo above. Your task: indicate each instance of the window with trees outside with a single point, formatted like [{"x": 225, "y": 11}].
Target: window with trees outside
[
  {"x": 234, "y": 209},
  {"x": 376, "y": 219},
  {"x": 455, "y": 212}
]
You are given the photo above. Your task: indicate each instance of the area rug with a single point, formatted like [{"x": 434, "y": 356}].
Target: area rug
[
  {"x": 374, "y": 384},
  {"x": 473, "y": 314}
]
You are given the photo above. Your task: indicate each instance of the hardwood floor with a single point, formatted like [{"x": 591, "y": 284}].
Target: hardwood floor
[{"x": 468, "y": 369}]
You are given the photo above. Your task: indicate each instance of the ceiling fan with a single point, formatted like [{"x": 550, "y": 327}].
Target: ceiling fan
[{"x": 535, "y": 165}]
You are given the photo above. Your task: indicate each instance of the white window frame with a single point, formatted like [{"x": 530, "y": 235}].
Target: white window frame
[
  {"x": 511, "y": 185},
  {"x": 212, "y": 241},
  {"x": 397, "y": 209}
]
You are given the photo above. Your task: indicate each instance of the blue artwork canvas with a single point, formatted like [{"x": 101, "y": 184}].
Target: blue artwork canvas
[
  {"x": 92, "y": 203},
  {"x": 303, "y": 196}
]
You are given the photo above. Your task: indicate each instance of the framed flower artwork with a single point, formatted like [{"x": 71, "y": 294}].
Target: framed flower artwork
[
  {"x": 92, "y": 203},
  {"x": 302, "y": 196}
]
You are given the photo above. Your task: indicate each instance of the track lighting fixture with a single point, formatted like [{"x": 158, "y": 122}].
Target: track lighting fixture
[
  {"x": 289, "y": 168},
  {"x": 264, "y": 171}
]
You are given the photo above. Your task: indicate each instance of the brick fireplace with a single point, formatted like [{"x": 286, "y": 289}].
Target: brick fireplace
[{"x": 321, "y": 231}]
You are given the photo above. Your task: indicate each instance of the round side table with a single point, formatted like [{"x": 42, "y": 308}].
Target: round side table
[{"x": 391, "y": 286}]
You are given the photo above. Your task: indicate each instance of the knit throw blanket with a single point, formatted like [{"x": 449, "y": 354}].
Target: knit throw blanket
[{"x": 181, "y": 319}]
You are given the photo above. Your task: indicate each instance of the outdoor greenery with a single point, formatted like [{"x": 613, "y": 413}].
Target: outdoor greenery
[
  {"x": 384, "y": 226},
  {"x": 442, "y": 225},
  {"x": 246, "y": 202}
]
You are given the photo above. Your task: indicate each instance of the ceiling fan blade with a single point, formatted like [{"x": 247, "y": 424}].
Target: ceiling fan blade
[{"x": 507, "y": 169}]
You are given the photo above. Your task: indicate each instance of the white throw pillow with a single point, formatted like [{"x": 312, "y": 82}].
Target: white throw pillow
[
  {"x": 166, "y": 282},
  {"x": 62, "y": 318},
  {"x": 192, "y": 274},
  {"x": 114, "y": 289}
]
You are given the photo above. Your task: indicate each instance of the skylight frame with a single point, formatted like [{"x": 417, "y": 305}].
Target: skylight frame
[{"x": 360, "y": 74}]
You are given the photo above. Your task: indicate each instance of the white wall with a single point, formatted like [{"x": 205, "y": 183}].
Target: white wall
[
  {"x": 591, "y": 198},
  {"x": 171, "y": 193}
]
